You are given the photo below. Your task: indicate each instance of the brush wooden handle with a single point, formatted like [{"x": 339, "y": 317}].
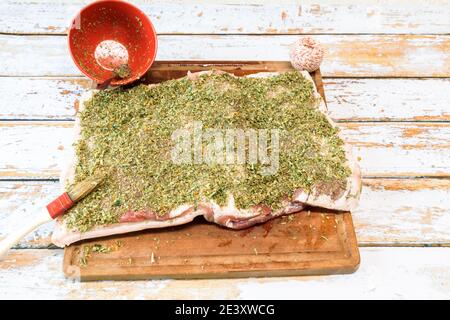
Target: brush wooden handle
[
  {"x": 53, "y": 210},
  {"x": 28, "y": 226}
]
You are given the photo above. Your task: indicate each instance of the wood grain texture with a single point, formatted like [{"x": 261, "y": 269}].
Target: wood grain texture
[
  {"x": 385, "y": 273},
  {"x": 399, "y": 148},
  {"x": 371, "y": 55},
  {"x": 251, "y": 17},
  {"x": 35, "y": 149},
  {"x": 403, "y": 211},
  {"x": 20, "y": 201},
  {"x": 318, "y": 242},
  {"x": 388, "y": 99},
  {"x": 347, "y": 99},
  {"x": 391, "y": 211},
  {"x": 40, "y": 98},
  {"x": 33, "y": 154}
]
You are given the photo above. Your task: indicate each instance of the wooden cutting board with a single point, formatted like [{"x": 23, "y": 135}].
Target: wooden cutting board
[{"x": 312, "y": 242}]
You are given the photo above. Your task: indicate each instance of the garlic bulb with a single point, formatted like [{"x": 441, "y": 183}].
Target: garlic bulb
[{"x": 306, "y": 54}]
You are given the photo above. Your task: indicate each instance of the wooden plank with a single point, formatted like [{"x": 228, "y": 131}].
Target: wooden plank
[
  {"x": 252, "y": 17},
  {"x": 40, "y": 98},
  {"x": 403, "y": 212},
  {"x": 385, "y": 273},
  {"x": 20, "y": 201},
  {"x": 347, "y": 99},
  {"x": 317, "y": 243},
  {"x": 371, "y": 55},
  {"x": 33, "y": 149},
  {"x": 400, "y": 149},
  {"x": 391, "y": 212},
  {"x": 36, "y": 149},
  {"x": 388, "y": 99}
]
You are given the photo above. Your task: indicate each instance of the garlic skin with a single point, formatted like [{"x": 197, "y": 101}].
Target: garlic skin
[{"x": 306, "y": 54}]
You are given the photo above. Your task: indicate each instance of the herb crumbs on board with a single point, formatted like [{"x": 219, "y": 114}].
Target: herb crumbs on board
[
  {"x": 127, "y": 133},
  {"x": 87, "y": 251}
]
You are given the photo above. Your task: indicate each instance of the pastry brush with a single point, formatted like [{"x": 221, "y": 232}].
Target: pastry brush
[{"x": 53, "y": 210}]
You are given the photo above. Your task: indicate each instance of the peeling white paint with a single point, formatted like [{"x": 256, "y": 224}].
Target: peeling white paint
[
  {"x": 372, "y": 55},
  {"x": 36, "y": 149},
  {"x": 391, "y": 211},
  {"x": 394, "y": 273},
  {"x": 211, "y": 17},
  {"x": 385, "y": 273},
  {"x": 347, "y": 99}
]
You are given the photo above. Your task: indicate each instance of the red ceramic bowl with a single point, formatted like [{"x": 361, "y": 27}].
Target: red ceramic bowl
[{"x": 111, "y": 35}]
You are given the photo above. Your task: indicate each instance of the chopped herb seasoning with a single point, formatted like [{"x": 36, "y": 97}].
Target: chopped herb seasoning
[
  {"x": 117, "y": 203},
  {"x": 123, "y": 71},
  {"x": 87, "y": 250},
  {"x": 128, "y": 134},
  {"x": 100, "y": 248},
  {"x": 85, "y": 255}
]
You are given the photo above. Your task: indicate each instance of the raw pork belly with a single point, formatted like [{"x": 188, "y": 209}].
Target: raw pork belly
[{"x": 228, "y": 216}]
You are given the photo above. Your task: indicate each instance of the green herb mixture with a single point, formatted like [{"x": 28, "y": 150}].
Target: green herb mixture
[{"x": 128, "y": 135}]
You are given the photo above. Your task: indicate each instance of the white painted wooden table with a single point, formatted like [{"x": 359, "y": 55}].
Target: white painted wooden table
[{"x": 387, "y": 82}]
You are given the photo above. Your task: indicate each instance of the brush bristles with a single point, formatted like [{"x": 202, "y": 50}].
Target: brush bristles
[{"x": 83, "y": 188}]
